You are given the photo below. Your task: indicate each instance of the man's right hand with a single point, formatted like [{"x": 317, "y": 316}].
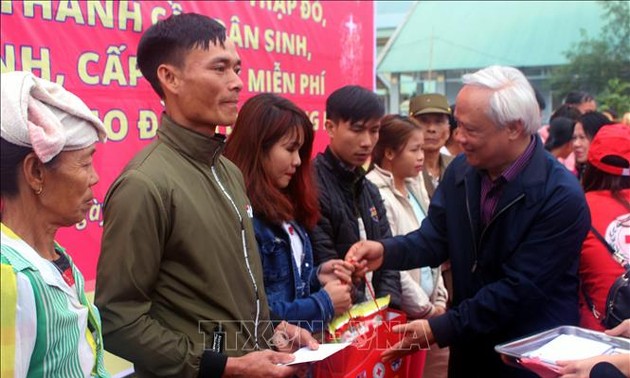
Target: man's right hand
[
  {"x": 366, "y": 255},
  {"x": 339, "y": 294},
  {"x": 261, "y": 364}
]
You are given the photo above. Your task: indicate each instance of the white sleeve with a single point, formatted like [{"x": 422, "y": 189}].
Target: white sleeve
[
  {"x": 440, "y": 292},
  {"x": 390, "y": 212},
  {"x": 415, "y": 302}
]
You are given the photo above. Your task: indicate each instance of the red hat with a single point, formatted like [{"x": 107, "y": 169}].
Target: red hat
[{"x": 611, "y": 140}]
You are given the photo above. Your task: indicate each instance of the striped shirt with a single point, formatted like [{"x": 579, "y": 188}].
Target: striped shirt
[
  {"x": 48, "y": 328},
  {"x": 491, "y": 190}
]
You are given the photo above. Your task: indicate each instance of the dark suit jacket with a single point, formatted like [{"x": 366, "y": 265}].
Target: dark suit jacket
[{"x": 526, "y": 258}]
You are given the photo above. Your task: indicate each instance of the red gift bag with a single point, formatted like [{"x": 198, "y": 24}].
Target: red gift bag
[{"x": 371, "y": 335}]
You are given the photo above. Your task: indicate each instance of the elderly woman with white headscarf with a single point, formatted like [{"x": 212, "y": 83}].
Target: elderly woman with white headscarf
[{"x": 48, "y": 327}]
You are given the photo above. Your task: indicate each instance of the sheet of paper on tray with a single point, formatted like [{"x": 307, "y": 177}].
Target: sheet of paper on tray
[
  {"x": 569, "y": 347},
  {"x": 325, "y": 350}
]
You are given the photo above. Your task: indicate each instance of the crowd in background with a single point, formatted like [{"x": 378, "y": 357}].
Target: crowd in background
[{"x": 471, "y": 217}]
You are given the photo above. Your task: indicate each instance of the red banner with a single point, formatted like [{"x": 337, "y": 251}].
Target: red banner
[{"x": 302, "y": 50}]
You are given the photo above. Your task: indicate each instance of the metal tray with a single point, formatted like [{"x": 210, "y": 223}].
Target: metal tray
[{"x": 511, "y": 352}]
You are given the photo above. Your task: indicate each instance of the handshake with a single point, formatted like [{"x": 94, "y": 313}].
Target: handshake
[
  {"x": 337, "y": 276},
  {"x": 365, "y": 256}
]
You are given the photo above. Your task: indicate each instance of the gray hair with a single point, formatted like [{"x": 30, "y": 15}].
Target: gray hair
[{"x": 513, "y": 98}]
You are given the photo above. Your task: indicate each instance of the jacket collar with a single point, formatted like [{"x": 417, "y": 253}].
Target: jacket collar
[
  {"x": 198, "y": 146},
  {"x": 263, "y": 227},
  {"x": 31, "y": 260},
  {"x": 346, "y": 176},
  {"x": 534, "y": 174},
  {"x": 383, "y": 178}
]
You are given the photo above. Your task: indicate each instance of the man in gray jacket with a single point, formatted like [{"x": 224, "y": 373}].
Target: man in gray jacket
[{"x": 179, "y": 279}]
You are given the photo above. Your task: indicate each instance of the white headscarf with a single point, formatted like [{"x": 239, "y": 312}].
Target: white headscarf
[{"x": 43, "y": 115}]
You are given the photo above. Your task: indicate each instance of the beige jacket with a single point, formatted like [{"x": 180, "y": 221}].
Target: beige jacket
[{"x": 402, "y": 219}]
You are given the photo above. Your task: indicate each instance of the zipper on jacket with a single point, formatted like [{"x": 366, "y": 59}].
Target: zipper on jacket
[
  {"x": 494, "y": 218},
  {"x": 472, "y": 228},
  {"x": 245, "y": 254}
]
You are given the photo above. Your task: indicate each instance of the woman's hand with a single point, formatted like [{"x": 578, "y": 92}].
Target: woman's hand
[
  {"x": 333, "y": 270},
  {"x": 339, "y": 294}
]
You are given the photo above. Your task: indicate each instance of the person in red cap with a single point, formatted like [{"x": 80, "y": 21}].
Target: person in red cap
[{"x": 607, "y": 185}]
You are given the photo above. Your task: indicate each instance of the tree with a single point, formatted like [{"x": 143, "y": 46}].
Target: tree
[
  {"x": 600, "y": 65},
  {"x": 615, "y": 96}
]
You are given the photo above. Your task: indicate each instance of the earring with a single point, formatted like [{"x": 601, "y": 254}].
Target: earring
[{"x": 39, "y": 190}]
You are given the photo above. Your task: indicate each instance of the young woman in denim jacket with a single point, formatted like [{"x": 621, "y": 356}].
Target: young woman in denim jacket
[{"x": 271, "y": 143}]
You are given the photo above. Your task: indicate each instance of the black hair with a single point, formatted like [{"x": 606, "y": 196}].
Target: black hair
[
  {"x": 577, "y": 98},
  {"x": 596, "y": 179},
  {"x": 542, "y": 104},
  {"x": 353, "y": 103},
  {"x": 452, "y": 121},
  {"x": 560, "y": 132},
  {"x": 612, "y": 112},
  {"x": 567, "y": 111},
  {"x": 168, "y": 41},
  {"x": 12, "y": 157},
  {"x": 592, "y": 122}
]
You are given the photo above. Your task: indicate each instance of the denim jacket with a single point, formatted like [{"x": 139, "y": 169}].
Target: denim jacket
[{"x": 295, "y": 297}]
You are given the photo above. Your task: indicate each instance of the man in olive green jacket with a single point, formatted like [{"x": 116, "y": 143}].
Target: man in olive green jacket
[{"x": 179, "y": 279}]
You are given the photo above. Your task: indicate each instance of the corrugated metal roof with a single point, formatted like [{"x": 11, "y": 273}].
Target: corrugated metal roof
[{"x": 447, "y": 35}]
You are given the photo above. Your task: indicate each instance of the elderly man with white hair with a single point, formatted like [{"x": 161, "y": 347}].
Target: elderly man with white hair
[
  {"x": 509, "y": 217},
  {"x": 48, "y": 326}
]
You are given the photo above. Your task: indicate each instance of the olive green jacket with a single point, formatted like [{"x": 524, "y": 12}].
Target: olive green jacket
[{"x": 179, "y": 257}]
